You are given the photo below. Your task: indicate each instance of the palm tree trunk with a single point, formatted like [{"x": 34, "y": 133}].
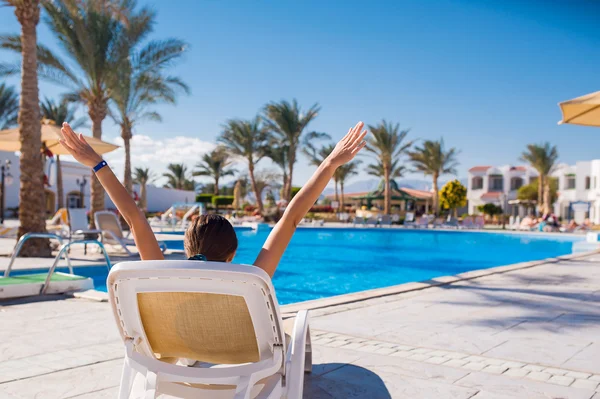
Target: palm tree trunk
[
  {"x": 60, "y": 190},
  {"x": 547, "y": 200},
  {"x": 292, "y": 160},
  {"x": 97, "y": 113},
  {"x": 127, "y": 179},
  {"x": 342, "y": 196},
  {"x": 143, "y": 197},
  {"x": 436, "y": 199},
  {"x": 540, "y": 192},
  {"x": 216, "y": 188},
  {"x": 387, "y": 193},
  {"x": 257, "y": 194},
  {"x": 337, "y": 198},
  {"x": 32, "y": 198}
]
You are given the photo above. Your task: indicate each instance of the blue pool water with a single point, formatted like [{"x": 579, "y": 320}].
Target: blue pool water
[{"x": 325, "y": 262}]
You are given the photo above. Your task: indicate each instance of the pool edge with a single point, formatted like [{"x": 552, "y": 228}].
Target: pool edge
[{"x": 360, "y": 296}]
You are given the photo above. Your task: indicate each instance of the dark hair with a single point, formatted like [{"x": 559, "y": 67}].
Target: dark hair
[{"x": 212, "y": 236}]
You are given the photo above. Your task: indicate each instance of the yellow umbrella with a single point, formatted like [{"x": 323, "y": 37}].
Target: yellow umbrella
[
  {"x": 9, "y": 141},
  {"x": 584, "y": 110}
]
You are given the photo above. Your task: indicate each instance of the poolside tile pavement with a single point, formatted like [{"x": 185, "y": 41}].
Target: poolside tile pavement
[{"x": 529, "y": 333}]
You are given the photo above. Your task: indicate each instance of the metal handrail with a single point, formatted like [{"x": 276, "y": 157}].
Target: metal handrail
[
  {"x": 26, "y": 237},
  {"x": 64, "y": 249}
]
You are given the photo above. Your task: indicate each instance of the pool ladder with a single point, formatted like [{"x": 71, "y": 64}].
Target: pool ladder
[{"x": 64, "y": 248}]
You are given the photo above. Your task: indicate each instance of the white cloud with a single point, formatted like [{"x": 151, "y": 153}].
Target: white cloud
[{"x": 156, "y": 154}]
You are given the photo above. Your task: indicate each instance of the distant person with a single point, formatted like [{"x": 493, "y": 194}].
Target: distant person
[{"x": 211, "y": 237}]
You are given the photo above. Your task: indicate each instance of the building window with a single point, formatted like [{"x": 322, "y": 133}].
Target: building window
[
  {"x": 570, "y": 182},
  {"x": 496, "y": 183},
  {"x": 74, "y": 200},
  {"x": 516, "y": 183},
  {"x": 477, "y": 183},
  {"x": 588, "y": 182}
]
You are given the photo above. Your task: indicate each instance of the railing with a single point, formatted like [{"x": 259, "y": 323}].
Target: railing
[
  {"x": 64, "y": 250},
  {"x": 28, "y": 236}
]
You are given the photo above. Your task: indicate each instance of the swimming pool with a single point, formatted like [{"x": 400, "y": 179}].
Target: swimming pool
[{"x": 322, "y": 262}]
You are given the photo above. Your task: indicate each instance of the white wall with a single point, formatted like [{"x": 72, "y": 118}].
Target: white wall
[
  {"x": 159, "y": 198},
  {"x": 12, "y": 191}
]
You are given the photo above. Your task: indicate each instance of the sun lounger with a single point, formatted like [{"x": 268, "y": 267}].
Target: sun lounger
[
  {"x": 112, "y": 233},
  {"x": 467, "y": 223},
  {"x": 451, "y": 223},
  {"x": 385, "y": 220},
  {"x": 479, "y": 222},
  {"x": 423, "y": 222},
  {"x": 409, "y": 220},
  {"x": 358, "y": 222},
  {"x": 371, "y": 221},
  {"x": 221, "y": 319}
]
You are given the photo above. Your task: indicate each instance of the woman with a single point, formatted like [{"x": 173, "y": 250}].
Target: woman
[{"x": 211, "y": 237}]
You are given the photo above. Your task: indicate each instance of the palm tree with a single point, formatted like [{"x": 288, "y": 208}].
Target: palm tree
[
  {"x": 142, "y": 83},
  {"x": 387, "y": 143},
  {"x": 247, "y": 139},
  {"x": 278, "y": 153},
  {"x": 98, "y": 36},
  {"x": 287, "y": 121},
  {"x": 143, "y": 176},
  {"x": 317, "y": 156},
  {"x": 58, "y": 114},
  {"x": 177, "y": 177},
  {"x": 9, "y": 106},
  {"x": 266, "y": 179},
  {"x": 432, "y": 159},
  {"x": 32, "y": 212},
  {"x": 396, "y": 170},
  {"x": 543, "y": 158},
  {"x": 344, "y": 172},
  {"x": 215, "y": 164}
]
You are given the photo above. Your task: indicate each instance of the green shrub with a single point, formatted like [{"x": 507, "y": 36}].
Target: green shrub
[
  {"x": 219, "y": 200},
  {"x": 295, "y": 191},
  {"x": 204, "y": 198}
]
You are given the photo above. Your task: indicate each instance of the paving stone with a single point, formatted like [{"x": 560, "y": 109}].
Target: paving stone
[
  {"x": 561, "y": 380},
  {"x": 419, "y": 357},
  {"x": 404, "y": 354},
  {"x": 475, "y": 366},
  {"x": 437, "y": 360},
  {"x": 337, "y": 344},
  {"x": 456, "y": 363},
  {"x": 539, "y": 376},
  {"x": 585, "y": 384},
  {"x": 578, "y": 375},
  {"x": 354, "y": 345},
  {"x": 421, "y": 350},
  {"x": 513, "y": 365},
  {"x": 533, "y": 367},
  {"x": 476, "y": 359},
  {"x": 595, "y": 377},
  {"x": 495, "y": 369},
  {"x": 516, "y": 372},
  {"x": 494, "y": 362},
  {"x": 385, "y": 351},
  {"x": 555, "y": 371},
  {"x": 368, "y": 348}
]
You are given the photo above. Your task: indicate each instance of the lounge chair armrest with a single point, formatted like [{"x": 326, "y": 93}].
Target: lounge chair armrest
[{"x": 298, "y": 356}]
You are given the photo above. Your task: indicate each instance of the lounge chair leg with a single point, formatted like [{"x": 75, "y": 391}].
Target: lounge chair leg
[
  {"x": 308, "y": 353},
  {"x": 150, "y": 385},
  {"x": 127, "y": 378}
]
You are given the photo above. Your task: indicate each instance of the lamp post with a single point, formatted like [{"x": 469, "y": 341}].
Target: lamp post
[
  {"x": 81, "y": 183},
  {"x": 7, "y": 180}
]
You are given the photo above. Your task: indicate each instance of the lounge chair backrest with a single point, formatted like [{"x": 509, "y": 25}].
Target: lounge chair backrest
[
  {"x": 410, "y": 217},
  {"x": 60, "y": 217},
  {"x": 207, "y": 311},
  {"x": 108, "y": 221},
  {"x": 78, "y": 219}
]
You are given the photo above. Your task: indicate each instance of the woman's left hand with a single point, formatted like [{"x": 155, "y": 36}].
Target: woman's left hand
[{"x": 347, "y": 148}]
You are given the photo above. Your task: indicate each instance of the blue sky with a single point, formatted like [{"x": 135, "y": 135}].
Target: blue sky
[{"x": 484, "y": 75}]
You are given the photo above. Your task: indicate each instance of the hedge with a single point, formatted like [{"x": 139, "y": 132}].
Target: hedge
[
  {"x": 204, "y": 198},
  {"x": 218, "y": 200},
  {"x": 295, "y": 191}
]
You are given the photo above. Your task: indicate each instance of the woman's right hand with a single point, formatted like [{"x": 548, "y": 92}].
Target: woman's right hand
[{"x": 78, "y": 147}]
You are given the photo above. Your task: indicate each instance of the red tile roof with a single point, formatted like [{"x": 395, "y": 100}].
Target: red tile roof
[
  {"x": 519, "y": 168},
  {"x": 479, "y": 168},
  {"x": 491, "y": 195},
  {"x": 421, "y": 194}
]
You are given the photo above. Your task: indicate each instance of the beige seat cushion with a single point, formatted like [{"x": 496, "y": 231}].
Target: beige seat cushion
[{"x": 212, "y": 328}]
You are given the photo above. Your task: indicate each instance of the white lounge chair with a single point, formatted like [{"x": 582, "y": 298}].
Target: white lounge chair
[
  {"x": 422, "y": 222},
  {"x": 222, "y": 319},
  {"x": 385, "y": 220},
  {"x": 358, "y": 222},
  {"x": 112, "y": 233},
  {"x": 409, "y": 220},
  {"x": 78, "y": 223},
  {"x": 479, "y": 222},
  {"x": 371, "y": 221}
]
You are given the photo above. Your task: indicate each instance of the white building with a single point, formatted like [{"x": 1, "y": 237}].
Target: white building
[
  {"x": 497, "y": 185},
  {"x": 76, "y": 181},
  {"x": 578, "y": 189}
]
